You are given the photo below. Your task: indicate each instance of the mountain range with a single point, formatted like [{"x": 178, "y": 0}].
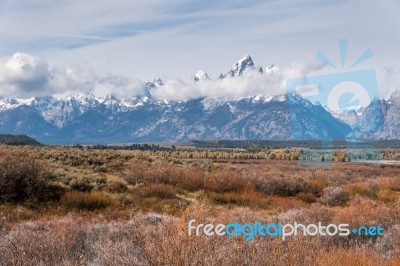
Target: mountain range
[{"x": 90, "y": 119}]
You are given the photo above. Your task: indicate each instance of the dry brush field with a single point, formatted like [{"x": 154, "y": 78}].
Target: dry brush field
[{"x": 79, "y": 206}]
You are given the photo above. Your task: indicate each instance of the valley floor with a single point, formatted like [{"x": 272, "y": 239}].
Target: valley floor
[{"x": 81, "y": 206}]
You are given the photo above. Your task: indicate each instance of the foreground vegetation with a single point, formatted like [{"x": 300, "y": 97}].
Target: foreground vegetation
[{"x": 80, "y": 206}]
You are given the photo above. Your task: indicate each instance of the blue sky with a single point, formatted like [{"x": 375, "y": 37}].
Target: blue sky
[{"x": 174, "y": 39}]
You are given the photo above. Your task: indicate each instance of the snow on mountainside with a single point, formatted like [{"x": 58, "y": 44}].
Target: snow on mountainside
[
  {"x": 349, "y": 116},
  {"x": 200, "y": 75},
  {"x": 271, "y": 69},
  {"x": 91, "y": 119},
  {"x": 390, "y": 111},
  {"x": 379, "y": 120},
  {"x": 244, "y": 65}
]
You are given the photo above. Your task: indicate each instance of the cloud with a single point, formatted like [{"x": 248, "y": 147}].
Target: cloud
[
  {"x": 390, "y": 80},
  {"x": 250, "y": 84},
  {"x": 295, "y": 70},
  {"x": 174, "y": 38},
  {"x": 23, "y": 75},
  {"x": 391, "y": 71},
  {"x": 78, "y": 78},
  {"x": 120, "y": 86}
]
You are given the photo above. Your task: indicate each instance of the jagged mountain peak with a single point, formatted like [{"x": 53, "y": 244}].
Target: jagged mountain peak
[
  {"x": 395, "y": 96},
  {"x": 241, "y": 67},
  {"x": 158, "y": 82},
  {"x": 153, "y": 84},
  {"x": 245, "y": 63},
  {"x": 271, "y": 69},
  {"x": 143, "y": 119},
  {"x": 85, "y": 117},
  {"x": 148, "y": 86},
  {"x": 245, "y": 60},
  {"x": 87, "y": 99},
  {"x": 109, "y": 97},
  {"x": 200, "y": 75},
  {"x": 86, "y": 96}
]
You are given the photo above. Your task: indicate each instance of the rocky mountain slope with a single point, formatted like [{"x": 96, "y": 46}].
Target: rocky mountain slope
[{"x": 91, "y": 119}]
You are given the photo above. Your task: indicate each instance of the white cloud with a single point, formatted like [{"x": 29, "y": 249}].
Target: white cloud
[
  {"x": 120, "y": 86},
  {"x": 143, "y": 39},
  {"x": 390, "y": 79},
  {"x": 22, "y": 68},
  {"x": 78, "y": 78},
  {"x": 23, "y": 75},
  {"x": 250, "y": 84}
]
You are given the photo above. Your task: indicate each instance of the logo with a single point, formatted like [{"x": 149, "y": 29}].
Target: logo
[
  {"x": 249, "y": 231},
  {"x": 345, "y": 90}
]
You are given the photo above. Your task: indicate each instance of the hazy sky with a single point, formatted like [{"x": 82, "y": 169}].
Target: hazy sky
[{"x": 79, "y": 42}]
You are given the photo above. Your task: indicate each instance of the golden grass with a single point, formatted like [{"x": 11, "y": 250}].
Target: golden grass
[{"x": 132, "y": 208}]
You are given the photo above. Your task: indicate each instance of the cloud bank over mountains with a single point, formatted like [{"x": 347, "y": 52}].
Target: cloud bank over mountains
[{"x": 24, "y": 76}]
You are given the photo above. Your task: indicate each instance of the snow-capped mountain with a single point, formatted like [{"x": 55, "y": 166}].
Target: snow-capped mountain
[
  {"x": 349, "y": 116},
  {"x": 91, "y": 119},
  {"x": 242, "y": 66},
  {"x": 200, "y": 75},
  {"x": 271, "y": 69},
  {"x": 383, "y": 117},
  {"x": 379, "y": 120}
]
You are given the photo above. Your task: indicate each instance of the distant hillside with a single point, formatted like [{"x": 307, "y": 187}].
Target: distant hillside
[
  {"x": 18, "y": 140},
  {"x": 312, "y": 144}
]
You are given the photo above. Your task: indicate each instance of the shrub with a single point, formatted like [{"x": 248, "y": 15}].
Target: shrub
[
  {"x": 160, "y": 190},
  {"x": 191, "y": 178},
  {"x": 135, "y": 172},
  {"x": 307, "y": 197},
  {"x": 86, "y": 183},
  {"x": 363, "y": 189},
  {"x": 225, "y": 181},
  {"x": 387, "y": 195},
  {"x": 247, "y": 196},
  {"x": 81, "y": 184},
  {"x": 392, "y": 183},
  {"x": 141, "y": 172},
  {"x": 116, "y": 187},
  {"x": 334, "y": 196},
  {"x": 166, "y": 173},
  {"x": 281, "y": 186},
  {"x": 389, "y": 244},
  {"x": 86, "y": 200},
  {"x": 25, "y": 179},
  {"x": 315, "y": 186}
]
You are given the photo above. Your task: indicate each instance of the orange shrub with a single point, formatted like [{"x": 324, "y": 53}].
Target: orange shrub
[
  {"x": 363, "y": 189},
  {"x": 307, "y": 197},
  {"x": 87, "y": 200},
  {"x": 116, "y": 187},
  {"x": 334, "y": 196},
  {"x": 225, "y": 181},
  {"x": 281, "y": 186},
  {"x": 392, "y": 183},
  {"x": 160, "y": 190},
  {"x": 135, "y": 172},
  {"x": 248, "y": 197},
  {"x": 190, "y": 178},
  {"x": 387, "y": 195}
]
